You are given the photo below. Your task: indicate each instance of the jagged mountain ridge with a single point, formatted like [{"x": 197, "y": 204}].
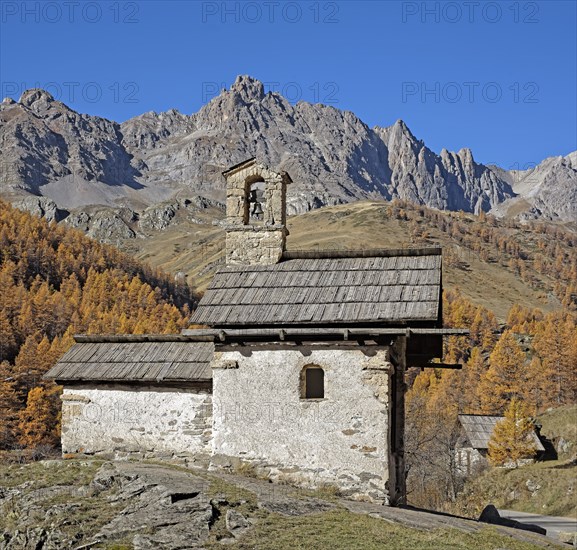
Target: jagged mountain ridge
[
  {"x": 549, "y": 190},
  {"x": 332, "y": 155},
  {"x": 53, "y": 157}
]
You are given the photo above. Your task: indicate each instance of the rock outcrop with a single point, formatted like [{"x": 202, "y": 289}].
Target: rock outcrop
[
  {"x": 41, "y": 207},
  {"x": 43, "y": 141},
  {"x": 451, "y": 181}
]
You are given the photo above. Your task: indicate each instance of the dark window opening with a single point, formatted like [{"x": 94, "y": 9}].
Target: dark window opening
[{"x": 314, "y": 383}]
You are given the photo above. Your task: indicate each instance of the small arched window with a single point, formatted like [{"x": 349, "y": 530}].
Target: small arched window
[{"x": 312, "y": 382}]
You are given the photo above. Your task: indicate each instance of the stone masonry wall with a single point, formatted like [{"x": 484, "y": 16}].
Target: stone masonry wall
[
  {"x": 146, "y": 422},
  {"x": 260, "y": 417},
  {"x": 262, "y": 246}
]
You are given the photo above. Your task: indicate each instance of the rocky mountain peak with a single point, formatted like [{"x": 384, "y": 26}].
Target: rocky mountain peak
[
  {"x": 400, "y": 126},
  {"x": 36, "y": 99},
  {"x": 466, "y": 155},
  {"x": 571, "y": 159},
  {"x": 45, "y": 106},
  {"x": 249, "y": 88},
  {"x": 397, "y": 135}
]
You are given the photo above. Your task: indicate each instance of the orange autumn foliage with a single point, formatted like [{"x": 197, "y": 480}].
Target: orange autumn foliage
[
  {"x": 56, "y": 282},
  {"x": 512, "y": 439}
]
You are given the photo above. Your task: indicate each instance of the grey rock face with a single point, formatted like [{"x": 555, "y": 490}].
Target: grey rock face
[
  {"x": 173, "y": 505},
  {"x": 333, "y": 157},
  {"x": 42, "y": 207},
  {"x": 105, "y": 225},
  {"x": 158, "y": 217},
  {"x": 532, "y": 486},
  {"x": 451, "y": 181},
  {"x": 236, "y": 523},
  {"x": 107, "y": 228},
  {"x": 547, "y": 191},
  {"x": 551, "y": 189},
  {"x": 42, "y": 140}
]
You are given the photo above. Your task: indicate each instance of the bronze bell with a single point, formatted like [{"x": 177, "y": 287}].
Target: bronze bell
[{"x": 257, "y": 211}]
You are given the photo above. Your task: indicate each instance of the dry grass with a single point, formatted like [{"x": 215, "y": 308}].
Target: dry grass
[
  {"x": 556, "y": 495},
  {"x": 561, "y": 423},
  {"x": 343, "y": 530},
  {"x": 48, "y": 473}
]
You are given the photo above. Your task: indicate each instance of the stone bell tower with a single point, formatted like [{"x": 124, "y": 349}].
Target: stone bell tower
[{"x": 255, "y": 214}]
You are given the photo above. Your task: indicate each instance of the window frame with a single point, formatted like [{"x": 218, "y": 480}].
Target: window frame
[{"x": 304, "y": 387}]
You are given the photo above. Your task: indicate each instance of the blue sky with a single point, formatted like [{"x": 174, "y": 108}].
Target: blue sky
[{"x": 498, "y": 77}]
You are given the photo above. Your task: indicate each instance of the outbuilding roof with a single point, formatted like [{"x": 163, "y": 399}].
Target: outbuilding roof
[
  {"x": 479, "y": 428},
  {"x": 135, "y": 361},
  {"x": 372, "y": 287}
]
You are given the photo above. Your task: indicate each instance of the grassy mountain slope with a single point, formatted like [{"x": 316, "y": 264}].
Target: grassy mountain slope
[{"x": 494, "y": 263}]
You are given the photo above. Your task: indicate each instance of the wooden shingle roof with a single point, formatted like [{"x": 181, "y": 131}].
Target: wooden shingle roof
[
  {"x": 347, "y": 290},
  {"x": 163, "y": 361},
  {"x": 479, "y": 428}
]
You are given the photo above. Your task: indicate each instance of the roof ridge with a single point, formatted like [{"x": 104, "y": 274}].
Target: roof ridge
[{"x": 360, "y": 253}]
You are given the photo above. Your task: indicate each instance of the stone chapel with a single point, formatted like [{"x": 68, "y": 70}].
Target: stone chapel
[{"x": 298, "y": 372}]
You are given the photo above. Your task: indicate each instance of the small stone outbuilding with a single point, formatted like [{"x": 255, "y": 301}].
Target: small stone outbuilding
[
  {"x": 473, "y": 443},
  {"x": 298, "y": 374}
]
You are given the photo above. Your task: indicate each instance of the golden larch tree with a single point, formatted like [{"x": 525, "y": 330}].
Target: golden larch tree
[
  {"x": 37, "y": 424},
  {"x": 555, "y": 344},
  {"x": 512, "y": 439},
  {"x": 505, "y": 378}
]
